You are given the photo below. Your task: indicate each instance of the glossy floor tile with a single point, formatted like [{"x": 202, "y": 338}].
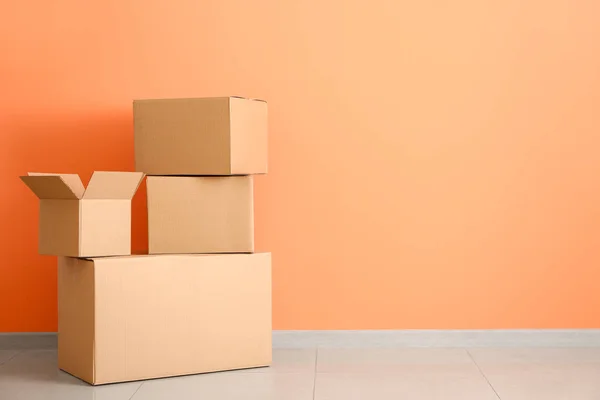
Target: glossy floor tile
[
  {"x": 33, "y": 375},
  {"x": 289, "y": 361},
  {"x": 336, "y": 373},
  {"x": 541, "y": 373},
  {"x": 230, "y": 386},
  {"x": 450, "y": 383},
  {"x": 536, "y": 355},
  {"x": 548, "y": 382},
  {"x": 389, "y": 359}
]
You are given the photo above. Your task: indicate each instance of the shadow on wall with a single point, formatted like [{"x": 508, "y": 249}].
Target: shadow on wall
[{"x": 68, "y": 143}]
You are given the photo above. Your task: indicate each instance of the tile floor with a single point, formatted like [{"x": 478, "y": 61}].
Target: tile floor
[{"x": 334, "y": 373}]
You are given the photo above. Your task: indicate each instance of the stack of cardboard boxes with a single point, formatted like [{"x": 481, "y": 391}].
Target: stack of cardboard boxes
[{"x": 201, "y": 300}]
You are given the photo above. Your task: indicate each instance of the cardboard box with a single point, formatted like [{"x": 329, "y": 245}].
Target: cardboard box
[
  {"x": 142, "y": 317},
  {"x": 200, "y": 214},
  {"x": 80, "y": 222},
  {"x": 205, "y": 136}
]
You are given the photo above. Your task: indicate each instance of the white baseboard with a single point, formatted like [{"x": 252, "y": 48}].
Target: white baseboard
[
  {"x": 28, "y": 340},
  {"x": 382, "y": 338},
  {"x": 439, "y": 338}
]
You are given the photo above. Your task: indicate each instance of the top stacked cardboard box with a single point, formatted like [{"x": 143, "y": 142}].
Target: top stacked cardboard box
[
  {"x": 200, "y": 155},
  {"x": 205, "y": 136}
]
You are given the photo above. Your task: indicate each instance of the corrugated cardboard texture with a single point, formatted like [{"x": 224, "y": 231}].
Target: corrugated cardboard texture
[
  {"x": 105, "y": 227},
  {"x": 73, "y": 181},
  {"x": 80, "y": 222},
  {"x": 48, "y": 186},
  {"x": 182, "y": 136},
  {"x": 59, "y": 227},
  {"x": 76, "y": 317},
  {"x": 113, "y": 185},
  {"x": 200, "y": 214},
  {"x": 205, "y": 136},
  {"x": 158, "y": 316}
]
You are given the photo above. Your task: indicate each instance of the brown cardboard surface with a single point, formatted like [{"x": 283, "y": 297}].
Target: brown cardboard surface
[
  {"x": 73, "y": 181},
  {"x": 202, "y": 136},
  {"x": 248, "y": 136},
  {"x": 80, "y": 222},
  {"x": 200, "y": 214},
  {"x": 59, "y": 227},
  {"x": 49, "y": 187},
  {"x": 112, "y": 185},
  {"x": 76, "y": 317},
  {"x": 105, "y": 227},
  {"x": 157, "y": 316}
]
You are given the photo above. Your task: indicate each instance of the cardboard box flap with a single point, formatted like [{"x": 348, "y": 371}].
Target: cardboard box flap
[
  {"x": 54, "y": 186},
  {"x": 113, "y": 185},
  {"x": 246, "y": 98}
]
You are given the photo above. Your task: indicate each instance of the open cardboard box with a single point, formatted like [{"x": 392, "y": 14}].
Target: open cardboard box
[{"x": 84, "y": 222}]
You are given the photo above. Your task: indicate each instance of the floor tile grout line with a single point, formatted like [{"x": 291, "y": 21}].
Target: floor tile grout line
[
  {"x": 136, "y": 390},
  {"x": 482, "y": 374},
  {"x": 315, "y": 372}
]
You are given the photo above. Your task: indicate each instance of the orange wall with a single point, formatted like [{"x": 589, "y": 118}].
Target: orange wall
[{"x": 434, "y": 164}]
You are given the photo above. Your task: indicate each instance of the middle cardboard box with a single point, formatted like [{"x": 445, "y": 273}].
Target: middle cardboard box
[{"x": 200, "y": 214}]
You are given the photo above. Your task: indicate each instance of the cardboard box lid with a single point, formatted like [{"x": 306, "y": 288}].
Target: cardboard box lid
[
  {"x": 199, "y": 98},
  {"x": 103, "y": 185},
  {"x": 247, "y": 98}
]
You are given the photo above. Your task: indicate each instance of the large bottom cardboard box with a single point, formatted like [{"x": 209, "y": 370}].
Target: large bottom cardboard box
[
  {"x": 140, "y": 317},
  {"x": 200, "y": 214}
]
